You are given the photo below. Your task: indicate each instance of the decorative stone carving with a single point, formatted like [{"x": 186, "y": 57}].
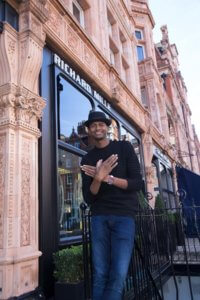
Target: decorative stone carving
[
  {"x": 117, "y": 93},
  {"x": 11, "y": 191},
  {"x": 73, "y": 41},
  {"x": 2, "y": 184},
  {"x": 9, "y": 52},
  {"x": 148, "y": 147},
  {"x": 25, "y": 191},
  {"x": 102, "y": 73},
  {"x": 55, "y": 21},
  {"x": 149, "y": 172},
  {"x": 27, "y": 110},
  {"x": 7, "y": 101},
  {"x": 89, "y": 57},
  {"x": 33, "y": 106}
]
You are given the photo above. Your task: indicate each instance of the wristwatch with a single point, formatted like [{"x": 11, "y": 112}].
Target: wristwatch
[{"x": 110, "y": 180}]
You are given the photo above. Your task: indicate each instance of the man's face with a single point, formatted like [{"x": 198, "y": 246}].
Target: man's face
[{"x": 98, "y": 130}]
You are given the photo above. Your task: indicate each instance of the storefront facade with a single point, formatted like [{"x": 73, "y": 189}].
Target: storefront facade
[
  {"x": 69, "y": 97},
  {"x": 58, "y": 61}
]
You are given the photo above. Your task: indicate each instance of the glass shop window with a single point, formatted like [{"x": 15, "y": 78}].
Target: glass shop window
[
  {"x": 155, "y": 181},
  {"x": 73, "y": 110},
  {"x": 70, "y": 195},
  {"x": 172, "y": 202},
  {"x": 167, "y": 187},
  {"x": 163, "y": 178},
  {"x": 127, "y": 136}
]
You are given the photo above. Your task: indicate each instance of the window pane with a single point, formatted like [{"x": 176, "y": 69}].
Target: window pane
[
  {"x": 170, "y": 181},
  {"x": 76, "y": 13},
  {"x": 155, "y": 181},
  {"x": 144, "y": 96},
  {"x": 127, "y": 136},
  {"x": 70, "y": 195},
  {"x": 138, "y": 34},
  {"x": 163, "y": 175},
  {"x": 140, "y": 53},
  {"x": 74, "y": 108}
]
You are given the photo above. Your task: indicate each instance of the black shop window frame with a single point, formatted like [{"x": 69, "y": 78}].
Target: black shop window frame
[
  {"x": 60, "y": 144},
  {"x": 8, "y": 14},
  {"x": 95, "y": 104}
]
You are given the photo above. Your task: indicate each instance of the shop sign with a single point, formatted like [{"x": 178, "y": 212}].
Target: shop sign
[
  {"x": 69, "y": 71},
  {"x": 163, "y": 158}
]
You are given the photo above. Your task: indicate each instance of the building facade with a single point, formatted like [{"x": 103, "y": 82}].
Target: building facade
[{"x": 60, "y": 59}]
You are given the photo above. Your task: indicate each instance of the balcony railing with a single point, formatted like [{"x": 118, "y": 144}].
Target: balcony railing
[{"x": 167, "y": 242}]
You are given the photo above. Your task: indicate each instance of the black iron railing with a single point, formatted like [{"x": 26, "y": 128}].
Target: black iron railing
[{"x": 165, "y": 238}]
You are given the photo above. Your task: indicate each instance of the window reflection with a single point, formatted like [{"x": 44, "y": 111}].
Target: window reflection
[
  {"x": 163, "y": 175},
  {"x": 167, "y": 186},
  {"x": 155, "y": 181},
  {"x": 113, "y": 132},
  {"x": 127, "y": 136},
  {"x": 70, "y": 194},
  {"x": 74, "y": 108}
]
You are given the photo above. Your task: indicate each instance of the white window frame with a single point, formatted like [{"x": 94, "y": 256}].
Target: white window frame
[{"x": 82, "y": 21}]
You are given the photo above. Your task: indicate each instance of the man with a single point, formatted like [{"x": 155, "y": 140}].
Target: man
[{"x": 111, "y": 179}]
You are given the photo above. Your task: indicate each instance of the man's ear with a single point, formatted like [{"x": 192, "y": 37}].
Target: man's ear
[{"x": 86, "y": 129}]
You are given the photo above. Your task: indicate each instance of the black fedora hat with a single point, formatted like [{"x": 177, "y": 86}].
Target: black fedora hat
[{"x": 95, "y": 116}]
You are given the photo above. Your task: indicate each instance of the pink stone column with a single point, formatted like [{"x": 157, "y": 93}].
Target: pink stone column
[{"x": 20, "y": 109}]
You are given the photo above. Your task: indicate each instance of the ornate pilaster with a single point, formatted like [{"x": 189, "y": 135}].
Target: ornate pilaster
[
  {"x": 20, "y": 109},
  {"x": 19, "y": 192},
  {"x": 148, "y": 155}
]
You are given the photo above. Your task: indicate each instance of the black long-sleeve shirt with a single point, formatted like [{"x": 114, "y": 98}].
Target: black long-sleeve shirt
[{"x": 111, "y": 199}]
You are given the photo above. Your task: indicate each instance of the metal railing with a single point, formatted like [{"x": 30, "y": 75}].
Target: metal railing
[{"x": 165, "y": 239}]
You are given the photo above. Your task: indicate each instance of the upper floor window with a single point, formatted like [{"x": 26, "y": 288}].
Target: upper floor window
[
  {"x": 78, "y": 13},
  {"x": 9, "y": 14},
  {"x": 144, "y": 96},
  {"x": 138, "y": 34},
  {"x": 140, "y": 52}
]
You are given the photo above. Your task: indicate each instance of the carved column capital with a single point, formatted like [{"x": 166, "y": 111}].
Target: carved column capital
[{"x": 20, "y": 110}]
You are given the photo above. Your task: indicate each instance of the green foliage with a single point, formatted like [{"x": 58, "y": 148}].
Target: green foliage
[
  {"x": 160, "y": 207},
  {"x": 142, "y": 201},
  {"x": 69, "y": 265},
  {"x": 159, "y": 203}
]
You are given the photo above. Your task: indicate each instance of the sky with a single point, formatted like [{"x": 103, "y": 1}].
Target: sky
[{"x": 182, "y": 18}]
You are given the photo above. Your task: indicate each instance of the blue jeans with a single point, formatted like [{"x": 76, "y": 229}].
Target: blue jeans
[{"x": 112, "y": 246}]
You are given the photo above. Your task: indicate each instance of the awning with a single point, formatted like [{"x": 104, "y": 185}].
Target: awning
[
  {"x": 190, "y": 183},
  {"x": 189, "y": 187}
]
